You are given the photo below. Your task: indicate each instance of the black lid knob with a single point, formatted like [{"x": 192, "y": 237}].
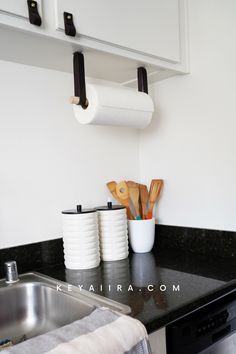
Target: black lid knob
[
  {"x": 79, "y": 208},
  {"x": 110, "y": 206}
]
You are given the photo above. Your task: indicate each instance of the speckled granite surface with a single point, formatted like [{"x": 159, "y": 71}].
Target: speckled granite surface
[
  {"x": 198, "y": 241},
  {"x": 33, "y": 256}
]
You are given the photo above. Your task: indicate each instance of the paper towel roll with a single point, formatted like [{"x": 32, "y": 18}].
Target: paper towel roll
[{"x": 117, "y": 106}]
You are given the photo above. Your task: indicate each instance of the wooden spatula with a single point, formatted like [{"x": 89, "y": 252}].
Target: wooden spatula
[
  {"x": 134, "y": 197},
  {"x": 144, "y": 199},
  {"x": 154, "y": 193},
  {"x": 122, "y": 192},
  {"x": 112, "y": 188}
]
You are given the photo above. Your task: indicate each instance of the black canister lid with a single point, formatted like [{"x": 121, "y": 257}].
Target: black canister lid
[
  {"x": 110, "y": 206},
  {"x": 78, "y": 210}
]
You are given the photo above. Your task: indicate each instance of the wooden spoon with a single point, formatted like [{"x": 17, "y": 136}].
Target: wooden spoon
[
  {"x": 144, "y": 199},
  {"x": 122, "y": 192},
  {"x": 155, "y": 191},
  {"x": 134, "y": 197}
]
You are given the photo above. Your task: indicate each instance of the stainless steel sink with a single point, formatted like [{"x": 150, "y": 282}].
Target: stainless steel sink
[{"x": 38, "y": 304}]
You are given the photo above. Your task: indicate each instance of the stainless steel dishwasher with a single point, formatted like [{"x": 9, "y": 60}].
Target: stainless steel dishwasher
[{"x": 209, "y": 330}]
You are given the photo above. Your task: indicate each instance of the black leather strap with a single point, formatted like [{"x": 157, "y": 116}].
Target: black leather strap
[
  {"x": 34, "y": 16},
  {"x": 142, "y": 80},
  {"x": 69, "y": 24},
  {"x": 79, "y": 78}
]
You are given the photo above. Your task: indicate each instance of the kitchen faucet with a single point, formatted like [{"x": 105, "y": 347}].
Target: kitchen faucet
[{"x": 11, "y": 272}]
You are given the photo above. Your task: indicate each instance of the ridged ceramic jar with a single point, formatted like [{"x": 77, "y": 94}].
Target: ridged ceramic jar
[
  {"x": 80, "y": 238},
  {"x": 113, "y": 232}
]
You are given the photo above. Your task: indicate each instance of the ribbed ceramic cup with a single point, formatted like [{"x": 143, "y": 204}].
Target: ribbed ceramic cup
[
  {"x": 81, "y": 238},
  {"x": 113, "y": 232}
]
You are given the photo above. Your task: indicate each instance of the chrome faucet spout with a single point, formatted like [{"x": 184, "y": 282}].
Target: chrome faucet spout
[{"x": 11, "y": 272}]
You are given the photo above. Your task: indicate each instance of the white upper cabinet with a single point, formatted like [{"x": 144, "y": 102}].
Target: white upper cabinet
[
  {"x": 147, "y": 27},
  {"x": 115, "y": 36},
  {"x": 17, "y": 8}
]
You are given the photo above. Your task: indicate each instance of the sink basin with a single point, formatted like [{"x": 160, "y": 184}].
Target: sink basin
[{"x": 38, "y": 304}]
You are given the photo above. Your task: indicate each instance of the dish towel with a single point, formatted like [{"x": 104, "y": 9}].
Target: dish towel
[{"x": 102, "y": 332}]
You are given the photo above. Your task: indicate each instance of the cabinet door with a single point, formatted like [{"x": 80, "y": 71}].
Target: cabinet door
[
  {"x": 150, "y": 27},
  {"x": 18, "y": 8},
  {"x": 158, "y": 341}
]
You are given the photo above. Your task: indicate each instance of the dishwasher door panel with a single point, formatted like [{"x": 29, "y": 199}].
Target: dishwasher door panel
[{"x": 226, "y": 346}]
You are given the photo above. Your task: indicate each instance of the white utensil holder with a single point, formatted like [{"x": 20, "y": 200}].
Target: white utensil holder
[
  {"x": 113, "y": 232},
  {"x": 142, "y": 235},
  {"x": 80, "y": 238}
]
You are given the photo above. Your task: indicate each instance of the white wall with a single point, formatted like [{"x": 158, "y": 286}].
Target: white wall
[
  {"x": 48, "y": 161},
  {"x": 191, "y": 142}
]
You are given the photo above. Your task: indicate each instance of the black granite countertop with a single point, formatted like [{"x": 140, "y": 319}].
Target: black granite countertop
[
  {"x": 201, "y": 262},
  {"x": 159, "y": 287}
]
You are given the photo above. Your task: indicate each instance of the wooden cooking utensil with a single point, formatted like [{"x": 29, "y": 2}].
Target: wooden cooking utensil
[
  {"x": 160, "y": 189},
  {"x": 134, "y": 197},
  {"x": 122, "y": 192},
  {"x": 155, "y": 191},
  {"x": 144, "y": 199},
  {"x": 112, "y": 188}
]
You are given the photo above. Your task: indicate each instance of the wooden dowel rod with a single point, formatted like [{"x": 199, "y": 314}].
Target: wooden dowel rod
[{"x": 74, "y": 100}]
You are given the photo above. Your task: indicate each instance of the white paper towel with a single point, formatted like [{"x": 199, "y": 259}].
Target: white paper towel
[{"x": 118, "y": 106}]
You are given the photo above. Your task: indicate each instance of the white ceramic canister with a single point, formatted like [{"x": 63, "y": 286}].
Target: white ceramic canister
[
  {"x": 113, "y": 232},
  {"x": 80, "y": 238}
]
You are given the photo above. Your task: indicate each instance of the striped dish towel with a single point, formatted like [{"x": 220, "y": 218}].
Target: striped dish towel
[{"x": 102, "y": 332}]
